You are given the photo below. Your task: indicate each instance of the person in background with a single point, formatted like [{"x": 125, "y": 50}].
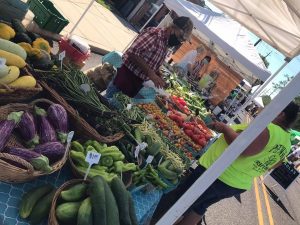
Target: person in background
[
  {"x": 185, "y": 65},
  {"x": 141, "y": 62},
  {"x": 207, "y": 80},
  {"x": 266, "y": 152},
  {"x": 199, "y": 68}
]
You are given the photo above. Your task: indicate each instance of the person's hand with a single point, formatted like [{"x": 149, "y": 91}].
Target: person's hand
[
  {"x": 158, "y": 81},
  {"x": 217, "y": 126}
]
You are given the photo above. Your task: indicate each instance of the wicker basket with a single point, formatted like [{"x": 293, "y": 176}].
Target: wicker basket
[
  {"x": 126, "y": 177},
  {"x": 16, "y": 174},
  {"x": 86, "y": 131},
  {"x": 52, "y": 216},
  {"x": 18, "y": 94}
]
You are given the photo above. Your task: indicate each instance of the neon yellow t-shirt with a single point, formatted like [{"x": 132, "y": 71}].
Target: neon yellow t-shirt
[{"x": 243, "y": 170}]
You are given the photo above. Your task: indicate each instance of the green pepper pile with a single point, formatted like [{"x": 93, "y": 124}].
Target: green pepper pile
[{"x": 111, "y": 162}]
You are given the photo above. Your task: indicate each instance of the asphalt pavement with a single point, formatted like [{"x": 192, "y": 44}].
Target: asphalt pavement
[{"x": 258, "y": 206}]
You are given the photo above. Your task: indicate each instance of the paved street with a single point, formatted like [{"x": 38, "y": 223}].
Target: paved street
[{"x": 254, "y": 209}]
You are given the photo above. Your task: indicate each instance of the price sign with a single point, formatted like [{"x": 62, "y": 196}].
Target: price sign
[
  {"x": 85, "y": 88},
  {"x": 2, "y": 62},
  {"x": 149, "y": 159},
  {"x": 129, "y": 106},
  {"x": 91, "y": 158},
  {"x": 62, "y": 55},
  {"x": 69, "y": 139},
  {"x": 139, "y": 148}
]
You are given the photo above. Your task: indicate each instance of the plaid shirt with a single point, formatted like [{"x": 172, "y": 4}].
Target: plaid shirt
[{"x": 150, "y": 45}]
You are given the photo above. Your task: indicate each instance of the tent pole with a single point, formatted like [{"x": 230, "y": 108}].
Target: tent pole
[
  {"x": 81, "y": 17},
  {"x": 286, "y": 95},
  {"x": 259, "y": 90}
]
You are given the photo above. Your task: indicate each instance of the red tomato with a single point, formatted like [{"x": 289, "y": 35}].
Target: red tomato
[
  {"x": 202, "y": 142},
  {"x": 189, "y": 132},
  {"x": 207, "y": 137},
  {"x": 196, "y": 130}
]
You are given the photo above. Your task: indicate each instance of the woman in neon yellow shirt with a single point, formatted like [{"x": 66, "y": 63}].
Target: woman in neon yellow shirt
[{"x": 267, "y": 151}]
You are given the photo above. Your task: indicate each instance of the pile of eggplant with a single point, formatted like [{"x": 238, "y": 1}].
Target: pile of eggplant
[{"x": 44, "y": 134}]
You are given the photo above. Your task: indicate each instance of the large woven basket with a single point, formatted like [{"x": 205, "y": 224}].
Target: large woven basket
[
  {"x": 25, "y": 172},
  {"x": 52, "y": 216},
  {"x": 18, "y": 94},
  {"x": 126, "y": 177},
  {"x": 86, "y": 131}
]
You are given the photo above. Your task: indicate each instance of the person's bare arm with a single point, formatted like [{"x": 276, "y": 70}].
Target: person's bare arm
[
  {"x": 190, "y": 68},
  {"x": 230, "y": 135},
  {"x": 140, "y": 62}
]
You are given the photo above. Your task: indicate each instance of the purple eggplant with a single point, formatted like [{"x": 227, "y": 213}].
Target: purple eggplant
[
  {"x": 7, "y": 126},
  {"x": 37, "y": 160},
  {"x": 57, "y": 115},
  {"x": 27, "y": 129},
  {"x": 54, "y": 151},
  {"x": 46, "y": 131}
]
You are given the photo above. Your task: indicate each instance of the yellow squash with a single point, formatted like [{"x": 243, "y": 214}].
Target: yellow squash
[
  {"x": 12, "y": 59},
  {"x": 12, "y": 75},
  {"x": 24, "y": 82},
  {"x": 3, "y": 70}
]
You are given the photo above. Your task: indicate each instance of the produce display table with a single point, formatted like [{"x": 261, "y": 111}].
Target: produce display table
[{"x": 11, "y": 194}]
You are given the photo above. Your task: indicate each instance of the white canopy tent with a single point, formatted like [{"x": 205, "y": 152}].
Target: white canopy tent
[
  {"x": 233, "y": 48},
  {"x": 276, "y": 22}
]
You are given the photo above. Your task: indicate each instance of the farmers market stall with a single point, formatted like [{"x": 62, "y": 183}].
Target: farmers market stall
[{"x": 62, "y": 142}]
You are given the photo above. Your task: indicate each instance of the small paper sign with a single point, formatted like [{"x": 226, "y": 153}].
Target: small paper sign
[
  {"x": 62, "y": 55},
  {"x": 129, "y": 106},
  {"x": 194, "y": 164},
  {"x": 2, "y": 62},
  {"x": 85, "y": 88},
  {"x": 149, "y": 159},
  {"x": 92, "y": 157},
  {"x": 139, "y": 148},
  {"x": 70, "y": 136}
]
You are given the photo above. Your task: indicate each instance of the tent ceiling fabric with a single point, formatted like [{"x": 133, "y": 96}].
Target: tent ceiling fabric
[
  {"x": 229, "y": 38},
  {"x": 277, "y": 22}
]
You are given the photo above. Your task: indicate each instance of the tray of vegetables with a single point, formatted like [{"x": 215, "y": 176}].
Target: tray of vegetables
[{"x": 33, "y": 140}]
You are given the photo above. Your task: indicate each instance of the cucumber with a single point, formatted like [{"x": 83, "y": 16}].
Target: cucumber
[
  {"x": 85, "y": 214},
  {"x": 75, "y": 193},
  {"x": 112, "y": 214},
  {"x": 132, "y": 213},
  {"x": 41, "y": 209},
  {"x": 31, "y": 198},
  {"x": 67, "y": 212},
  {"x": 87, "y": 143},
  {"x": 97, "y": 194},
  {"x": 119, "y": 190},
  {"x": 153, "y": 149}
]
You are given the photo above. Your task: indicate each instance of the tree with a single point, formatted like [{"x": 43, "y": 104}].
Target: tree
[{"x": 281, "y": 84}]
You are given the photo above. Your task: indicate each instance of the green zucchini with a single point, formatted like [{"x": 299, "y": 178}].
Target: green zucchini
[
  {"x": 75, "y": 193},
  {"x": 138, "y": 135},
  {"x": 67, "y": 212},
  {"x": 112, "y": 214},
  {"x": 153, "y": 149},
  {"x": 87, "y": 143},
  {"x": 41, "y": 209},
  {"x": 97, "y": 194},
  {"x": 119, "y": 190},
  {"x": 31, "y": 198},
  {"x": 85, "y": 214}
]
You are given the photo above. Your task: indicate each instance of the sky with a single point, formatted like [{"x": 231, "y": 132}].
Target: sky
[{"x": 276, "y": 59}]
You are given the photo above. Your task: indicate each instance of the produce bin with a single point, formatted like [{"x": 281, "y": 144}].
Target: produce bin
[{"x": 47, "y": 16}]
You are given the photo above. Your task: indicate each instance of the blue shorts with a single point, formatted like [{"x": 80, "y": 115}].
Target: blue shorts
[{"x": 216, "y": 192}]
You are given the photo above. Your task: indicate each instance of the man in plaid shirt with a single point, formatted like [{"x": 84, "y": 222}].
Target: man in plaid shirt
[{"x": 145, "y": 56}]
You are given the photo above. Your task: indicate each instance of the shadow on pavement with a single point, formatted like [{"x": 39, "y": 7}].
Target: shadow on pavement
[{"x": 278, "y": 202}]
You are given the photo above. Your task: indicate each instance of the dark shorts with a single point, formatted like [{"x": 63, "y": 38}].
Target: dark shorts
[
  {"x": 127, "y": 82},
  {"x": 216, "y": 192}
]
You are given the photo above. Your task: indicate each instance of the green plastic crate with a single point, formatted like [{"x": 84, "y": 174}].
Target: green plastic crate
[{"x": 47, "y": 16}]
